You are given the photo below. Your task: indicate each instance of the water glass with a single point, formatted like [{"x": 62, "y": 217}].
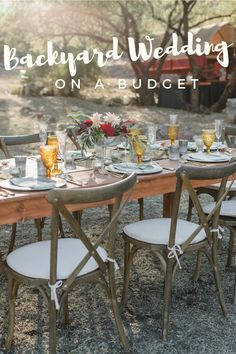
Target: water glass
[
  {"x": 173, "y": 119},
  {"x": 183, "y": 147},
  {"x": 20, "y": 165},
  {"x": 43, "y": 128},
  {"x": 173, "y": 152},
  {"x": 99, "y": 148},
  {"x": 199, "y": 143},
  {"x": 41, "y": 171},
  {"x": 69, "y": 160},
  {"x": 152, "y": 133}
]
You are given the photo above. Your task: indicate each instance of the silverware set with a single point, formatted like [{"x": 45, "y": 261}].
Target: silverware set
[{"x": 6, "y": 193}]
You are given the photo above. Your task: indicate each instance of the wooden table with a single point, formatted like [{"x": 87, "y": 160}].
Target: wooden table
[{"x": 32, "y": 205}]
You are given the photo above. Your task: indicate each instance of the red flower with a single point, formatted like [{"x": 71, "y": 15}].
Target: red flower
[
  {"x": 107, "y": 129},
  {"x": 88, "y": 122},
  {"x": 124, "y": 129}
]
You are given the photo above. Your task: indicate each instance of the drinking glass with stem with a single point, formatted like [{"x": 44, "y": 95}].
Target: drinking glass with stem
[
  {"x": 48, "y": 155},
  {"x": 152, "y": 133},
  {"x": 218, "y": 131},
  {"x": 139, "y": 144},
  {"x": 208, "y": 138},
  {"x": 173, "y": 131},
  {"x": 61, "y": 134}
]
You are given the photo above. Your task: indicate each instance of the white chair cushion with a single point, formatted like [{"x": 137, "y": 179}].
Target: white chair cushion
[
  {"x": 33, "y": 260},
  {"x": 217, "y": 186},
  {"x": 228, "y": 208},
  {"x": 157, "y": 231}
]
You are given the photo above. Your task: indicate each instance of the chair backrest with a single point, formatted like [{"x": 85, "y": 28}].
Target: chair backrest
[
  {"x": 230, "y": 135},
  {"x": 14, "y": 140},
  {"x": 61, "y": 198},
  {"x": 4, "y": 148},
  {"x": 185, "y": 174}
]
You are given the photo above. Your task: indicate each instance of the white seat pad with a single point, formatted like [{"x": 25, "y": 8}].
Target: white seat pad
[
  {"x": 157, "y": 231},
  {"x": 217, "y": 186},
  {"x": 228, "y": 208},
  {"x": 33, "y": 260}
]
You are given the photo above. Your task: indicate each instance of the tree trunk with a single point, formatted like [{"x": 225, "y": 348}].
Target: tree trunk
[
  {"x": 230, "y": 88},
  {"x": 146, "y": 95}
]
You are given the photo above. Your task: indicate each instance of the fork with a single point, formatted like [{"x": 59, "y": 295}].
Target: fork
[
  {"x": 7, "y": 191},
  {"x": 105, "y": 172}
]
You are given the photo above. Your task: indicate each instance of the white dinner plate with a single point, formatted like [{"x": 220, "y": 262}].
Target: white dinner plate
[
  {"x": 32, "y": 184},
  {"x": 204, "y": 157},
  {"x": 130, "y": 167},
  {"x": 192, "y": 146}
]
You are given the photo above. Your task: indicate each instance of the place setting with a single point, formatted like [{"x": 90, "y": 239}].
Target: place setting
[{"x": 207, "y": 149}]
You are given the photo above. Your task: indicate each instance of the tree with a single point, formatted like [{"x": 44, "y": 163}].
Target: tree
[{"x": 190, "y": 14}]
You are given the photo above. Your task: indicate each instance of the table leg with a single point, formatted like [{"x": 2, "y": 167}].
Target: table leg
[{"x": 168, "y": 200}]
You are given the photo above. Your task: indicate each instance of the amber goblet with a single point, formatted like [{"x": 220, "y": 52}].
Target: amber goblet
[
  {"x": 208, "y": 138},
  {"x": 48, "y": 155},
  {"x": 173, "y": 131},
  {"x": 53, "y": 141},
  {"x": 139, "y": 144}
]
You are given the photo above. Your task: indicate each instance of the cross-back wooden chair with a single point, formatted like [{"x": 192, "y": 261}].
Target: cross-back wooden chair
[
  {"x": 229, "y": 136},
  {"x": 55, "y": 265},
  {"x": 172, "y": 237},
  {"x": 228, "y": 220},
  {"x": 15, "y": 140}
]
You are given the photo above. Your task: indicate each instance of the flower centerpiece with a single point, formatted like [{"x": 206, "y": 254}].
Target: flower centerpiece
[{"x": 97, "y": 127}]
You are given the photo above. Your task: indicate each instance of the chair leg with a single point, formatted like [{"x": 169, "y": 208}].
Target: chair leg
[
  {"x": 234, "y": 301},
  {"x": 38, "y": 224},
  {"x": 12, "y": 289},
  {"x": 13, "y": 238},
  {"x": 230, "y": 249},
  {"x": 65, "y": 311},
  {"x": 141, "y": 208},
  {"x": 116, "y": 311},
  {"x": 110, "y": 210},
  {"x": 217, "y": 277},
  {"x": 61, "y": 227},
  {"x": 128, "y": 259},
  {"x": 52, "y": 327},
  {"x": 190, "y": 209},
  {"x": 167, "y": 295},
  {"x": 198, "y": 266}
]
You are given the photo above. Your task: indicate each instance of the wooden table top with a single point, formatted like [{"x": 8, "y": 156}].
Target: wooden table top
[{"x": 32, "y": 205}]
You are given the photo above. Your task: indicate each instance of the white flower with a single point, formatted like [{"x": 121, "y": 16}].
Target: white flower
[
  {"x": 96, "y": 119},
  {"x": 112, "y": 119}
]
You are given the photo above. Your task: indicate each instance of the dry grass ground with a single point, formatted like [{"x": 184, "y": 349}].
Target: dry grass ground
[{"x": 196, "y": 322}]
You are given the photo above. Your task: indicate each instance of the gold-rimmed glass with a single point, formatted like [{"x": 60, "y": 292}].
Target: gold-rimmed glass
[
  {"x": 53, "y": 141},
  {"x": 48, "y": 155},
  {"x": 208, "y": 138},
  {"x": 139, "y": 144},
  {"x": 173, "y": 132}
]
